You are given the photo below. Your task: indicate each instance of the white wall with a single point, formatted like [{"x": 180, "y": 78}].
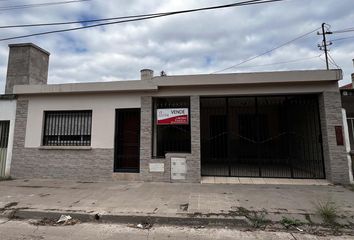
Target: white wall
[
  {"x": 8, "y": 113},
  {"x": 103, "y": 114},
  {"x": 347, "y": 145}
]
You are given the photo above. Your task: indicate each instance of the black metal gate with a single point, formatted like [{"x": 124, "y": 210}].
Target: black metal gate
[
  {"x": 273, "y": 136},
  {"x": 4, "y": 141}
]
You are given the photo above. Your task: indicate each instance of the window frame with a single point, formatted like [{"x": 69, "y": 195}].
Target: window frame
[
  {"x": 154, "y": 154},
  {"x": 63, "y": 120}
]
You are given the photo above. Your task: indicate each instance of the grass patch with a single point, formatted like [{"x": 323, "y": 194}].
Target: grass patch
[
  {"x": 291, "y": 222},
  {"x": 243, "y": 211},
  {"x": 258, "y": 219},
  {"x": 328, "y": 211}
]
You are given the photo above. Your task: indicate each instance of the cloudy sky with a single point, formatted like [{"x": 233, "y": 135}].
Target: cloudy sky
[{"x": 203, "y": 42}]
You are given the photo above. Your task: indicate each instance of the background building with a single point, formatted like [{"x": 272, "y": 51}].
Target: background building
[{"x": 7, "y": 125}]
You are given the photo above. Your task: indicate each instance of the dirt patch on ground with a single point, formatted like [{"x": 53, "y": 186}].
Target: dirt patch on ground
[
  {"x": 259, "y": 221},
  {"x": 30, "y": 186},
  {"x": 53, "y": 222},
  {"x": 8, "y": 206}
]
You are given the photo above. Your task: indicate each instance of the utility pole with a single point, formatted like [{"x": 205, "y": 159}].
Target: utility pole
[{"x": 324, "y": 44}]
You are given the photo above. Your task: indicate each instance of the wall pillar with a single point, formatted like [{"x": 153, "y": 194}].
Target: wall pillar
[
  {"x": 19, "y": 166},
  {"x": 192, "y": 159},
  {"x": 194, "y": 164},
  {"x": 335, "y": 157},
  {"x": 145, "y": 138}
]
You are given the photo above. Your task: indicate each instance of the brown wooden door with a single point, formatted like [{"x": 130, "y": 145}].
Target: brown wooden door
[{"x": 127, "y": 140}]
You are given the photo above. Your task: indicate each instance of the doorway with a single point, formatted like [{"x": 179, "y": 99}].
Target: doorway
[
  {"x": 265, "y": 136},
  {"x": 127, "y": 140}
]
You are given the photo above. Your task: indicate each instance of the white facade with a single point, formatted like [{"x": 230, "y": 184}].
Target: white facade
[
  {"x": 103, "y": 115},
  {"x": 8, "y": 113}
]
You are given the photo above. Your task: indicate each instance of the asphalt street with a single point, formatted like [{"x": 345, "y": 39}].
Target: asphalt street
[{"x": 23, "y": 230}]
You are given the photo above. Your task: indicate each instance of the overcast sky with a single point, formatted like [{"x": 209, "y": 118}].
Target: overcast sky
[{"x": 194, "y": 43}]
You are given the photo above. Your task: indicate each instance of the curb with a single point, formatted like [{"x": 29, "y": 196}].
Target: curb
[{"x": 236, "y": 221}]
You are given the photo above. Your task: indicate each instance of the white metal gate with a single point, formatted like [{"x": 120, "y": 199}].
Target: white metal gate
[{"x": 4, "y": 140}]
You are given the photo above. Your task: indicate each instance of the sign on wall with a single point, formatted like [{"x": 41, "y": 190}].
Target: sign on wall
[
  {"x": 172, "y": 116},
  {"x": 157, "y": 167}
]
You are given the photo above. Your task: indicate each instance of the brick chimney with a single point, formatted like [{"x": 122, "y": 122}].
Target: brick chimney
[
  {"x": 146, "y": 74},
  {"x": 27, "y": 65}
]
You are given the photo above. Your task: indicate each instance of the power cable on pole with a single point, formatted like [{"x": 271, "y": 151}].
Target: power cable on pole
[
  {"x": 325, "y": 44},
  {"x": 266, "y": 52}
]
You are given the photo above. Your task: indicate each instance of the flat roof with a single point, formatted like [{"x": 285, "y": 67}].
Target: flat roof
[
  {"x": 7, "y": 97},
  {"x": 308, "y": 76},
  {"x": 29, "y": 45}
]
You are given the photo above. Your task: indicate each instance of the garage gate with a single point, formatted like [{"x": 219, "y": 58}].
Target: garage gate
[{"x": 264, "y": 136}]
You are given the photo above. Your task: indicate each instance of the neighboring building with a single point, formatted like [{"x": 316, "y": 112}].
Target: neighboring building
[
  {"x": 176, "y": 128},
  {"x": 7, "y": 125},
  {"x": 348, "y": 86},
  {"x": 347, "y": 92}
]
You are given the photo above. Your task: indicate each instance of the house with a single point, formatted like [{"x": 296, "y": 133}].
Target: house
[
  {"x": 347, "y": 93},
  {"x": 176, "y": 128},
  {"x": 7, "y": 124}
]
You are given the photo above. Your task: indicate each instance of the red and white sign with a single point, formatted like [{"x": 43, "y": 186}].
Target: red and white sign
[{"x": 172, "y": 116}]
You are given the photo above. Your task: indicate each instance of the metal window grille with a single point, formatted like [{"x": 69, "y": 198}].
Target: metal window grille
[
  {"x": 67, "y": 128},
  {"x": 4, "y": 141},
  {"x": 170, "y": 138},
  {"x": 4, "y": 133},
  {"x": 351, "y": 132}
]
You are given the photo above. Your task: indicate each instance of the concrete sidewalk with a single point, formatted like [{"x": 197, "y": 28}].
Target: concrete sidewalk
[{"x": 166, "y": 200}]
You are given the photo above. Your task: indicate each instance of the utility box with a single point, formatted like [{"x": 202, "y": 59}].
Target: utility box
[{"x": 178, "y": 168}]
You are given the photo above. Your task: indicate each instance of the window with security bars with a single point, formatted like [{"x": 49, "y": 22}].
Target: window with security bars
[
  {"x": 67, "y": 128},
  {"x": 4, "y": 134}
]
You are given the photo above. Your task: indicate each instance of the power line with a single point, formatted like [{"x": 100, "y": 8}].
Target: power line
[
  {"x": 268, "y": 51},
  {"x": 333, "y": 61},
  {"x": 25, "y": 6},
  {"x": 285, "y": 62},
  {"x": 141, "y": 15},
  {"x": 147, "y": 16},
  {"x": 77, "y": 28},
  {"x": 330, "y": 62},
  {"x": 345, "y": 30},
  {"x": 83, "y": 21},
  {"x": 341, "y": 39}
]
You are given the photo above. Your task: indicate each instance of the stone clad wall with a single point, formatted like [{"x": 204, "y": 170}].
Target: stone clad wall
[
  {"x": 335, "y": 157},
  {"x": 84, "y": 165},
  {"x": 193, "y": 159}
]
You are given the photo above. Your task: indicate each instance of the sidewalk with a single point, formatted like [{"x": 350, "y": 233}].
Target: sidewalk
[{"x": 169, "y": 201}]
